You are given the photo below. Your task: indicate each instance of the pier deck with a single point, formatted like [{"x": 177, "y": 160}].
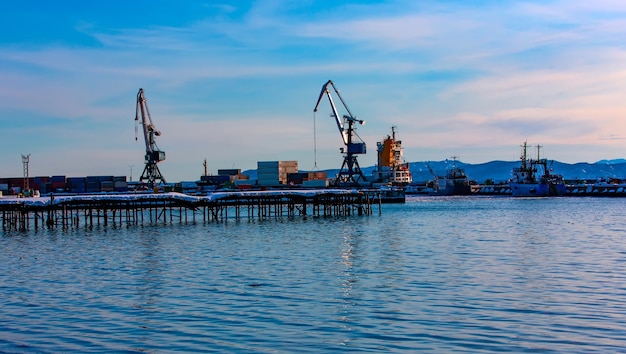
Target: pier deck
[{"x": 117, "y": 209}]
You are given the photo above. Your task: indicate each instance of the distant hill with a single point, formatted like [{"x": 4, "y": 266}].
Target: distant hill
[
  {"x": 612, "y": 162},
  {"x": 500, "y": 171}
]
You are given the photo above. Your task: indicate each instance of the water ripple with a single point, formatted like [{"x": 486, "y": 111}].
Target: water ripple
[{"x": 434, "y": 275}]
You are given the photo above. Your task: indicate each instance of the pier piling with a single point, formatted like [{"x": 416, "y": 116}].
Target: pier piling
[{"x": 133, "y": 209}]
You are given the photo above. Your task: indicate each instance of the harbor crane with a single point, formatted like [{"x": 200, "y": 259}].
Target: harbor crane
[
  {"x": 350, "y": 172},
  {"x": 151, "y": 173}
]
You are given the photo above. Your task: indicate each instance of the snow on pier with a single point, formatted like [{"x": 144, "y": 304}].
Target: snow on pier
[{"x": 139, "y": 208}]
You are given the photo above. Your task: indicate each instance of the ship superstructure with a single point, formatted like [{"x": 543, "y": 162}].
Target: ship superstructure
[
  {"x": 391, "y": 167},
  {"x": 534, "y": 178},
  {"x": 456, "y": 181}
]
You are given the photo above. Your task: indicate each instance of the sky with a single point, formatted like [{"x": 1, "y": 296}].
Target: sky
[{"x": 236, "y": 82}]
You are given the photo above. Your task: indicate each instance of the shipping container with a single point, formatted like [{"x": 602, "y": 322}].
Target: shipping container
[
  {"x": 76, "y": 188},
  {"x": 267, "y": 169},
  {"x": 41, "y": 179},
  {"x": 317, "y": 175},
  {"x": 239, "y": 182},
  {"x": 74, "y": 180},
  {"x": 276, "y": 169},
  {"x": 92, "y": 186},
  {"x": 315, "y": 183},
  {"x": 16, "y": 182},
  {"x": 107, "y": 186},
  {"x": 268, "y": 175},
  {"x": 36, "y": 182},
  {"x": 120, "y": 186},
  {"x": 58, "y": 186},
  {"x": 57, "y": 179},
  {"x": 267, "y": 164},
  {"x": 99, "y": 179},
  {"x": 75, "y": 184},
  {"x": 105, "y": 178},
  {"x": 268, "y": 182},
  {"x": 229, "y": 172}
]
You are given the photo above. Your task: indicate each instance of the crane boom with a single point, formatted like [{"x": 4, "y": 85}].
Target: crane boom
[
  {"x": 346, "y": 129},
  {"x": 347, "y": 118},
  {"x": 153, "y": 156}
]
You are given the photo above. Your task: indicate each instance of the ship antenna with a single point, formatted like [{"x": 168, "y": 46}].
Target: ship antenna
[{"x": 523, "y": 157}]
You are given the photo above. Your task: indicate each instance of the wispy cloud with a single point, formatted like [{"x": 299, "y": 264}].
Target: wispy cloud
[{"x": 451, "y": 75}]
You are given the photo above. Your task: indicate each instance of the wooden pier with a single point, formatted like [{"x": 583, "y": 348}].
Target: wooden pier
[{"x": 129, "y": 209}]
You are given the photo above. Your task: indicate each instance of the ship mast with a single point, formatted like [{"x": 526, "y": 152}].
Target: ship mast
[
  {"x": 523, "y": 157},
  {"x": 538, "y": 148}
]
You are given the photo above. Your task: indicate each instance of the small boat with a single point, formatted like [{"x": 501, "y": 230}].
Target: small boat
[
  {"x": 455, "y": 181},
  {"x": 392, "y": 194},
  {"x": 534, "y": 179}
]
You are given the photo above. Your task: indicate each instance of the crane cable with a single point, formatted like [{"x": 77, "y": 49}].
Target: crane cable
[{"x": 314, "y": 142}]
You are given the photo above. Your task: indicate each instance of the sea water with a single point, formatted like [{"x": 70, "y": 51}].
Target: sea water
[{"x": 437, "y": 274}]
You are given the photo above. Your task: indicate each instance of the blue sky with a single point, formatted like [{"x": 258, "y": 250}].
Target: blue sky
[{"x": 236, "y": 82}]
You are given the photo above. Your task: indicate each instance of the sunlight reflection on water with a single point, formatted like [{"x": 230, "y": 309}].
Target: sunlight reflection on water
[{"x": 438, "y": 274}]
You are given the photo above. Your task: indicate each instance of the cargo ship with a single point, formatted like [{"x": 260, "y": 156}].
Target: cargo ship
[
  {"x": 534, "y": 179},
  {"x": 391, "y": 173},
  {"x": 391, "y": 168}
]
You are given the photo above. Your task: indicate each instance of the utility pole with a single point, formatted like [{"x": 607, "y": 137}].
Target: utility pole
[
  {"x": 25, "y": 161},
  {"x": 131, "y": 172}
]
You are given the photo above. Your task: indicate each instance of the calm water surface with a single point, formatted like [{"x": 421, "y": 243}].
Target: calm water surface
[{"x": 435, "y": 274}]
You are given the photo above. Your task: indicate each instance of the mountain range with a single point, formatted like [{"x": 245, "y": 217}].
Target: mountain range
[{"x": 500, "y": 171}]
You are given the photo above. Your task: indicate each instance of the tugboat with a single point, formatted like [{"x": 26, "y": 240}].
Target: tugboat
[
  {"x": 528, "y": 181},
  {"x": 455, "y": 182}
]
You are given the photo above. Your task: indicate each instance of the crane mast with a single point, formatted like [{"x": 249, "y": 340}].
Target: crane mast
[
  {"x": 350, "y": 172},
  {"x": 151, "y": 173}
]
